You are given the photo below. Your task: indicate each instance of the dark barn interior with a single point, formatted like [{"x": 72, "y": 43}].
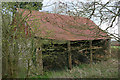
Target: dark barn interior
[{"x": 55, "y": 56}]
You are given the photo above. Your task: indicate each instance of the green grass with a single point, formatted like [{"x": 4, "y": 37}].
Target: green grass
[
  {"x": 115, "y": 47},
  {"x": 103, "y": 69}
]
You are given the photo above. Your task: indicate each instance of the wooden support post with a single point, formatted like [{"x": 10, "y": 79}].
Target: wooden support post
[
  {"x": 109, "y": 48},
  {"x": 39, "y": 58},
  {"x": 69, "y": 56},
  {"x": 91, "y": 54}
]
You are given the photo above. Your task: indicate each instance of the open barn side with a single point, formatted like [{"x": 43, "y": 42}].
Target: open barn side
[{"x": 57, "y": 54}]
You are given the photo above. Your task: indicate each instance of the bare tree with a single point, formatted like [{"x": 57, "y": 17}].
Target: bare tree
[
  {"x": 101, "y": 12},
  {"x": 14, "y": 41}
]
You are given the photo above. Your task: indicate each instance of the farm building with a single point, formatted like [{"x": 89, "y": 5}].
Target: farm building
[{"x": 76, "y": 35}]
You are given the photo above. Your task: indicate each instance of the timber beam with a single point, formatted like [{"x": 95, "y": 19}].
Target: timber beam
[{"x": 69, "y": 55}]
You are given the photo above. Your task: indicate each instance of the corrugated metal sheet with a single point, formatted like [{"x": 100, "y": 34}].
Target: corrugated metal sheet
[{"x": 62, "y": 27}]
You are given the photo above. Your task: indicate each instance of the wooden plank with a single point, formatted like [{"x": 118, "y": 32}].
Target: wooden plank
[
  {"x": 69, "y": 56},
  {"x": 90, "y": 48}
]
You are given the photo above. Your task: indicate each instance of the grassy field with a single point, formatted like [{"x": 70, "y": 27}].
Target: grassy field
[
  {"x": 114, "y": 47},
  {"x": 102, "y": 69}
]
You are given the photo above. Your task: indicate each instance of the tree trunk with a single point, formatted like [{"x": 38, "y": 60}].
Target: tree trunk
[
  {"x": 1, "y": 41},
  {"x": 7, "y": 61},
  {"x": 15, "y": 60},
  {"x": 119, "y": 24}
]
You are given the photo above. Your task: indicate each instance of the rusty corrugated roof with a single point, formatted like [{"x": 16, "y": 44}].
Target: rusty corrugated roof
[{"x": 62, "y": 27}]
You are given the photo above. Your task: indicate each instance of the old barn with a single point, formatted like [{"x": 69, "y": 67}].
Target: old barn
[{"x": 76, "y": 35}]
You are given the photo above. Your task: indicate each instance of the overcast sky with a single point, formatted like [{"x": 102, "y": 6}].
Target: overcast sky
[{"x": 50, "y": 2}]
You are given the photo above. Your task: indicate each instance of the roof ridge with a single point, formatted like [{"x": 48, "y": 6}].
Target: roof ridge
[{"x": 55, "y": 13}]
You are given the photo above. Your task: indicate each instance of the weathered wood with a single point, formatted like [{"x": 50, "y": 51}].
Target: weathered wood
[
  {"x": 109, "y": 48},
  {"x": 69, "y": 56},
  {"x": 91, "y": 58},
  {"x": 90, "y": 48}
]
